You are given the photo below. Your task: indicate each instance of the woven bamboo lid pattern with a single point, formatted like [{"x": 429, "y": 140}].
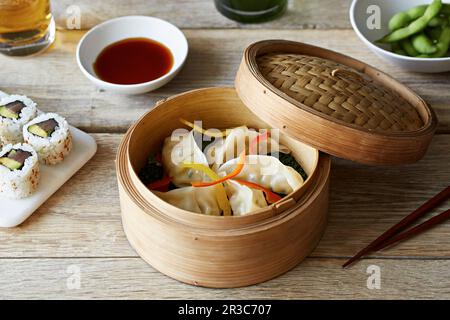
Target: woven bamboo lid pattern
[
  {"x": 339, "y": 91},
  {"x": 335, "y": 103}
]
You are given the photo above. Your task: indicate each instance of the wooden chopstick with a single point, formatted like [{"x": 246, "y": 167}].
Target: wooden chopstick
[
  {"x": 403, "y": 224},
  {"x": 417, "y": 229}
]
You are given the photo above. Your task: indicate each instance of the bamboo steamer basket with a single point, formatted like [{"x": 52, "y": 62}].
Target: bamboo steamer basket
[
  {"x": 209, "y": 250},
  {"x": 292, "y": 87}
]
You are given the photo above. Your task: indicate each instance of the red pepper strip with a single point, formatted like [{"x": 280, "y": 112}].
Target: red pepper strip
[
  {"x": 160, "y": 185},
  {"x": 234, "y": 173},
  {"x": 255, "y": 142},
  {"x": 270, "y": 196}
]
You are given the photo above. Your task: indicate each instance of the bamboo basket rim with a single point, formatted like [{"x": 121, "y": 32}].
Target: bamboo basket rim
[
  {"x": 266, "y": 46},
  {"x": 176, "y": 215}
]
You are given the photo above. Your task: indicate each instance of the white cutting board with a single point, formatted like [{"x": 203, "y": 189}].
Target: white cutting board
[{"x": 14, "y": 212}]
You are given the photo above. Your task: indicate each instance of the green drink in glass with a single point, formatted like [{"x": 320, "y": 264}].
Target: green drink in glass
[{"x": 251, "y": 11}]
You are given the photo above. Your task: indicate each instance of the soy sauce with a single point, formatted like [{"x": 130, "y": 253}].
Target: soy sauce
[{"x": 132, "y": 61}]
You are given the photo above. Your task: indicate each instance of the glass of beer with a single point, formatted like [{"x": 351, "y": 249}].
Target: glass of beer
[{"x": 26, "y": 26}]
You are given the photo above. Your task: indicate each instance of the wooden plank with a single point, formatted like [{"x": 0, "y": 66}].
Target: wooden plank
[
  {"x": 54, "y": 81},
  {"x": 132, "y": 278},
  {"x": 203, "y": 14},
  {"x": 83, "y": 218}
]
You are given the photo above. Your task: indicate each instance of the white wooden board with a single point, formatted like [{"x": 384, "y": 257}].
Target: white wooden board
[{"x": 14, "y": 212}]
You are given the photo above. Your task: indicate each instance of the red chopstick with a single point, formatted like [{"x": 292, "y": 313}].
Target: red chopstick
[{"x": 402, "y": 225}]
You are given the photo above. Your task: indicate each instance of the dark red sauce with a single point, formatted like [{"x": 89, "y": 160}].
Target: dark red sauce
[{"x": 132, "y": 61}]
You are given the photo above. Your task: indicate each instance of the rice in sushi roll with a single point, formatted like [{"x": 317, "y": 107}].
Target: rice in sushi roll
[
  {"x": 19, "y": 171},
  {"x": 49, "y": 135},
  {"x": 15, "y": 112}
]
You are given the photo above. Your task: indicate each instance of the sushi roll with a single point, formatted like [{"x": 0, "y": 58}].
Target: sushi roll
[
  {"x": 15, "y": 112},
  {"x": 19, "y": 171},
  {"x": 49, "y": 135}
]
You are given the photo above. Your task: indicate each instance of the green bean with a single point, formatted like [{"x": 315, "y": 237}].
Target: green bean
[
  {"x": 423, "y": 44},
  {"x": 416, "y": 26},
  {"x": 442, "y": 45},
  {"x": 409, "y": 48},
  {"x": 402, "y": 19}
]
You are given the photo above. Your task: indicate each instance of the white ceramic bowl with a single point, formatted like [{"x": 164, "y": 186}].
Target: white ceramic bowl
[
  {"x": 358, "y": 17},
  {"x": 108, "y": 32}
]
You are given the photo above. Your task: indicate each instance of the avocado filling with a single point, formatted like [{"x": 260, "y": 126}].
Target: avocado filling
[
  {"x": 15, "y": 159},
  {"x": 44, "y": 129},
  {"x": 12, "y": 110}
]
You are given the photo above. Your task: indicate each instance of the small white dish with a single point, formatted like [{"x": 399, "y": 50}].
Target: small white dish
[
  {"x": 108, "y": 32},
  {"x": 359, "y": 15},
  {"x": 14, "y": 212}
]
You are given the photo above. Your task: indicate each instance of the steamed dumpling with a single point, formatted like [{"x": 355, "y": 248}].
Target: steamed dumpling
[
  {"x": 243, "y": 199},
  {"x": 200, "y": 200},
  {"x": 184, "y": 149},
  {"x": 267, "y": 171},
  {"x": 222, "y": 150}
]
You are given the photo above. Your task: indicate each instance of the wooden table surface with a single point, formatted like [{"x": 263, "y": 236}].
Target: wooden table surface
[{"x": 78, "y": 230}]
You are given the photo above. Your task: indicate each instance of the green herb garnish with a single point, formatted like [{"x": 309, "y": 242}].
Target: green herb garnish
[{"x": 288, "y": 160}]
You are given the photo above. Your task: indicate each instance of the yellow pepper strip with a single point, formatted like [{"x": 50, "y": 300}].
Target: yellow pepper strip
[
  {"x": 203, "y": 131},
  {"x": 221, "y": 195}
]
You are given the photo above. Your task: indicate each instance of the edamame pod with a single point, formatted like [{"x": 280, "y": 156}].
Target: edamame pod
[
  {"x": 439, "y": 21},
  {"x": 423, "y": 44},
  {"x": 416, "y": 26},
  {"x": 402, "y": 19},
  {"x": 396, "y": 48},
  {"x": 409, "y": 48},
  {"x": 442, "y": 45}
]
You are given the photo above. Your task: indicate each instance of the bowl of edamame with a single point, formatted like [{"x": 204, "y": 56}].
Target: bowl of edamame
[{"x": 414, "y": 34}]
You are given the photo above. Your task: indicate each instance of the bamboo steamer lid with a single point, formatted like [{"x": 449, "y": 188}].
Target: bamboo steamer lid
[{"x": 334, "y": 103}]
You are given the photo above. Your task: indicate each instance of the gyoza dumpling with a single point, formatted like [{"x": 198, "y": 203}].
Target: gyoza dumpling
[
  {"x": 200, "y": 200},
  {"x": 181, "y": 149},
  {"x": 222, "y": 150},
  {"x": 243, "y": 199},
  {"x": 267, "y": 171}
]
